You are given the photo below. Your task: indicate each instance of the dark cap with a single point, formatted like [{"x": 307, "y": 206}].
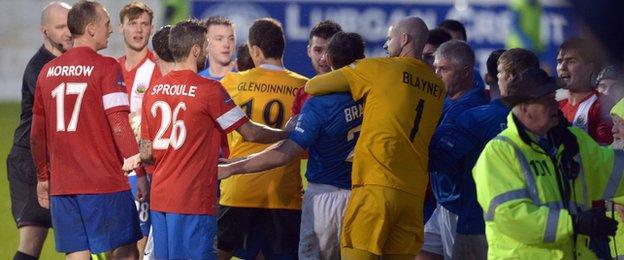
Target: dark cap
[
  {"x": 531, "y": 84},
  {"x": 609, "y": 72}
]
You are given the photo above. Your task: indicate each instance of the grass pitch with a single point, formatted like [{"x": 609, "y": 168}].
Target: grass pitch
[{"x": 9, "y": 238}]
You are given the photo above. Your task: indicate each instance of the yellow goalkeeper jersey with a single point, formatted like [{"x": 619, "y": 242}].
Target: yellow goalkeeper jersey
[
  {"x": 266, "y": 94},
  {"x": 403, "y": 103}
]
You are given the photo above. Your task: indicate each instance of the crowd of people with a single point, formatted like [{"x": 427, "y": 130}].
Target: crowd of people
[{"x": 192, "y": 149}]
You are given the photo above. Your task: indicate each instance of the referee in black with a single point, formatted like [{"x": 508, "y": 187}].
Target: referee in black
[{"x": 32, "y": 220}]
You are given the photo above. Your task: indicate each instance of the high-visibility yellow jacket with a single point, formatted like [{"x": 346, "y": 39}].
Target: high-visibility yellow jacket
[{"x": 517, "y": 189}]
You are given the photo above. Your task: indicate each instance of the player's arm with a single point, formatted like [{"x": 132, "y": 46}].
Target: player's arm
[
  {"x": 145, "y": 151},
  {"x": 116, "y": 108},
  {"x": 39, "y": 151},
  {"x": 125, "y": 141},
  {"x": 327, "y": 83},
  {"x": 259, "y": 133},
  {"x": 38, "y": 146},
  {"x": 275, "y": 156}
]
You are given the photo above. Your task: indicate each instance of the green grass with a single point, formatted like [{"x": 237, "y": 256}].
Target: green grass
[{"x": 9, "y": 238}]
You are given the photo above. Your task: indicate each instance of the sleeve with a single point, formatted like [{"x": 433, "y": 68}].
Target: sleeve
[
  {"x": 123, "y": 135},
  {"x": 38, "y": 141},
  {"x": 224, "y": 111},
  {"x": 300, "y": 99},
  {"x": 453, "y": 143},
  {"x": 114, "y": 96},
  {"x": 601, "y": 125},
  {"x": 29, "y": 80},
  {"x": 309, "y": 125},
  {"x": 506, "y": 202},
  {"x": 603, "y": 167},
  {"x": 360, "y": 76},
  {"x": 330, "y": 82}
]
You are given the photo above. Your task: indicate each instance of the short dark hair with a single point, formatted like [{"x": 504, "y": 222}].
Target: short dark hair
[
  {"x": 455, "y": 26},
  {"x": 216, "y": 20},
  {"x": 492, "y": 63},
  {"x": 437, "y": 37},
  {"x": 243, "y": 59},
  {"x": 345, "y": 48},
  {"x": 134, "y": 9},
  {"x": 183, "y": 36},
  {"x": 267, "y": 34},
  {"x": 515, "y": 61},
  {"x": 82, "y": 13},
  {"x": 588, "y": 51},
  {"x": 324, "y": 29},
  {"x": 160, "y": 43}
]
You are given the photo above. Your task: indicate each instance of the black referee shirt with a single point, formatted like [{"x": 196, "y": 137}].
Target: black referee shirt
[{"x": 21, "y": 138}]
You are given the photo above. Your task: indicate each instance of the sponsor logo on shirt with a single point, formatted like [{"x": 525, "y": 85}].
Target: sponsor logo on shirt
[{"x": 141, "y": 87}]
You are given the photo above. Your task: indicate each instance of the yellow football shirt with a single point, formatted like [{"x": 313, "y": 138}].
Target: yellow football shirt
[
  {"x": 403, "y": 103},
  {"x": 266, "y": 95}
]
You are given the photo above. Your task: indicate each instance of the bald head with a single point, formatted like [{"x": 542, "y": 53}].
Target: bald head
[
  {"x": 407, "y": 37},
  {"x": 54, "y": 9},
  {"x": 56, "y": 36}
]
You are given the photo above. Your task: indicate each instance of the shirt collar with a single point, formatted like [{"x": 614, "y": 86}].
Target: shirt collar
[{"x": 271, "y": 67}]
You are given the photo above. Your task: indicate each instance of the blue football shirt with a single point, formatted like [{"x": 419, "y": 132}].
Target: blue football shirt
[{"x": 328, "y": 127}]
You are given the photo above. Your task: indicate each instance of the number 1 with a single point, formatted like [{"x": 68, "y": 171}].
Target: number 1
[{"x": 419, "y": 112}]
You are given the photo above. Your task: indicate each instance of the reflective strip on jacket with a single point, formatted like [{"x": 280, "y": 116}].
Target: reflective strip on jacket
[{"x": 517, "y": 189}]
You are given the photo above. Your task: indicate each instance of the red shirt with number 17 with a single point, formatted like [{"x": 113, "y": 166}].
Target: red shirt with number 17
[
  {"x": 185, "y": 117},
  {"x": 74, "y": 94}
]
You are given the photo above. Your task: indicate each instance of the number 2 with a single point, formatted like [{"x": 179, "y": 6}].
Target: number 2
[
  {"x": 353, "y": 132},
  {"x": 58, "y": 93},
  {"x": 419, "y": 112}
]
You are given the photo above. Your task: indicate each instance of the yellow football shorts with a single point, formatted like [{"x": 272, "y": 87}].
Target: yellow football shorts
[{"x": 383, "y": 220}]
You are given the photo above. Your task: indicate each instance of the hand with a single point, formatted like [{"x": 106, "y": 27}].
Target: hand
[
  {"x": 224, "y": 171},
  {"x": 594, "y": 223},
  {"x": 291, "y": 124},
  {"x": 131, "y": 163},
  {"x": 142, "y": 189},
  {"x": 43, "y": 194}
]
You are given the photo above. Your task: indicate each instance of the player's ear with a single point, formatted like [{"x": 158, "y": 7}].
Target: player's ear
[
  {"x": 405, "y": 39},
  {"x": 255, "y": 51},
  {"x": 90, "y": 29},
  {"x": 309, "y": 50},
  {"x": 196, "y": 50}
]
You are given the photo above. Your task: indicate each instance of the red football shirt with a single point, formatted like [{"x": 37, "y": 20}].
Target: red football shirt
[
  {"x": 185, "y": 117},
  {"x": 139, "y": 78},
  {"x": 599, "y": 124},
  {"x": 74, "y": 94}
]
